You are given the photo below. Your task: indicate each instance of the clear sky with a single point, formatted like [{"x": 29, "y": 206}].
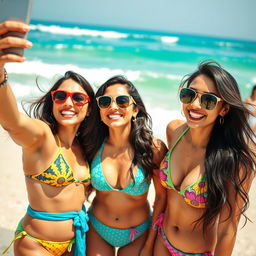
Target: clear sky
[{"x": 223, "y": 18}]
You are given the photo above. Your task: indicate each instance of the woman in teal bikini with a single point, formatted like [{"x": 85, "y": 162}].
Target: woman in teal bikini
[
  {"x": 121, "y": 172},
  {"x": 208, "y": 169},
  {"x": 57, "y": 173}
]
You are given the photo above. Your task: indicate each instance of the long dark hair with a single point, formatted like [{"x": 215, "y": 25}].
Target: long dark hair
[
  {"x": 228, "y": 150},
  {"x": 43, "y": 107},
  {"x": 253, "y": 89},
  {"x": 141, "y": 134}
]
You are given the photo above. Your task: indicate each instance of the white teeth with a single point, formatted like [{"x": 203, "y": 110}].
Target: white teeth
[
  {"x": 195, "y": 115},
  {"x": 114, "y": 116},
  {"x": 67, "y": 113}
]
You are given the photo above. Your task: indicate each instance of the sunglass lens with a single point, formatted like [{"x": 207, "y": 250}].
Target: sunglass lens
[
  {"x": 208, "y": 101},
  {"x": 123, "y": 101},
  {"x": 79, "y": 98},
  {"x": 187, "y": 95},
  {"x": 59, "y": 96},
  {"x": 104, "y": 101}
]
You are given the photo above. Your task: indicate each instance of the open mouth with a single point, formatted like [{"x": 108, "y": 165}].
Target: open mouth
[
  {"x": 195, "y": 116},
  {"x": 67, "y": 113},
  {"x": 115, "y": 116}
]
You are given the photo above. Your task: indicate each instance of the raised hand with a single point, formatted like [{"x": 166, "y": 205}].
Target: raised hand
[{"x": 10, "y": 41}]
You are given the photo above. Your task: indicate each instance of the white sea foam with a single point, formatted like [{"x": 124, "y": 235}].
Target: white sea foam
[
  {"x": 75, "y": 31},
  {"x": 22, "y": 90},
  {"x": 160, "y": 118},
  {"x": 159, "y": 76},
  {"x": 169, "y": 39},
  {"x": 96, "y": 76},
  {"x": 60, "y": 46}
]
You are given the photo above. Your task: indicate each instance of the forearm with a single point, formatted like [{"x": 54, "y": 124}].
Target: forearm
[
  {"x": 225, "y": 245},
  {"x": 23, "y": 130},
  {"x": 9, "y": 113},
  {"x": 158, "y": 208}
]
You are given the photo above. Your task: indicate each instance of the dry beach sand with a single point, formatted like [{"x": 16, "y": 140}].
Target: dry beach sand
[{"x": 13, "y": 201}]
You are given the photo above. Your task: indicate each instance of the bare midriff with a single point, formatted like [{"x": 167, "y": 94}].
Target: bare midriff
[
  {"x": 179, "y": 226},
  {"x": 54, "y": 200},
  {"x": 120, "y": 210}
]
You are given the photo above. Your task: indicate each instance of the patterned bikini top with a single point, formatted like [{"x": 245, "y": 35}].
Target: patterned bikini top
[
  {"x": 100, "y": 183},
  {"x": 59, "y": 173},
  {"x": 196, "y": 194}
]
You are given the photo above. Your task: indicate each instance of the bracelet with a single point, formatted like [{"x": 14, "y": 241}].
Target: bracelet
[{"x": 5, "y": 79}]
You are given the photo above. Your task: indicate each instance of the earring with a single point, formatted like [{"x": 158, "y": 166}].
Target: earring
[
  {"x": 222, "y": 120},
  {"x": 134, "y": 118}
]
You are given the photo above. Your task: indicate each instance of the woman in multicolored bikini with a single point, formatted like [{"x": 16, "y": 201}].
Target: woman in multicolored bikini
[
  {"x": 127, "y": 159},
  {"x": 208, "y": 169},
  {"x": 57, "y": 174}
]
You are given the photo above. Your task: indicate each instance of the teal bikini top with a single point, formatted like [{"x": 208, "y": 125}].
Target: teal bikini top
[{"x": 98, "y": 181}]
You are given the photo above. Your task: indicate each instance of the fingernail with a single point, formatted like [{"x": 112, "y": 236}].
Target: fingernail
[
  {"x": 25, "y": 27},
  {"x": 29, "y": 44}
]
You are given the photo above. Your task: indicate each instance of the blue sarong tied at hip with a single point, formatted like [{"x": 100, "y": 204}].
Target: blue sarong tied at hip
[{"x": 80, "y": 220}]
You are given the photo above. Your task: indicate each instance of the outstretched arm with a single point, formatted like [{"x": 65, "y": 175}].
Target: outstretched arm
[{"x": 24, "y": 131}]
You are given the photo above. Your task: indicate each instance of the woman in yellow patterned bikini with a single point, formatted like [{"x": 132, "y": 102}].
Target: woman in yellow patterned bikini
[
  {"x": 57, "y": 174},
  {"x": 209, "y": 168}
]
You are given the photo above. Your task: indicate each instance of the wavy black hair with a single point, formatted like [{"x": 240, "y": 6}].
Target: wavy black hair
[
  {"x": 141, "y": 137},
  {"x": 229, "y": 147},
  {"x": 43, "y": 107}
]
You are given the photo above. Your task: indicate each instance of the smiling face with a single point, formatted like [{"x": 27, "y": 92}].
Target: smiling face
[
  {"x": 196, "y": 115},
  {"x": 114, "y": 116},
  {"x": 67, "y": 113}
]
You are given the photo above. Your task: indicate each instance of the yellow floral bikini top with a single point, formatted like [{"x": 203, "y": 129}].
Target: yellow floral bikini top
[
  {"x": 59, "y": 173},
  {"x": 195, "y": 194}
]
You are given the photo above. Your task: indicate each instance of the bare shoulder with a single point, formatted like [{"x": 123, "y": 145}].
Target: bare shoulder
[
  {"x": 173, "y": 125},
  {"x": 172, "y": 128},
  {"x": 159, "y": 150}
]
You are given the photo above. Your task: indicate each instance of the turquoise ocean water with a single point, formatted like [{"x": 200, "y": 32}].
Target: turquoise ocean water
[{"x": 154, "y": 61}]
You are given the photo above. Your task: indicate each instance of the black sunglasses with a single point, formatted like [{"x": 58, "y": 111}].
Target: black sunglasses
[
  {"x": 207, "y": 100},
  {"x": 122, "y": 101}
]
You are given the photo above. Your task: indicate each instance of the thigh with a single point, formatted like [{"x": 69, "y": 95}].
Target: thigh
[
  {"x": 159, "y": 247},
  {"x": 26, "y": 246},
  {"x": 96, "y": 245},
  {"x": 133, "y": 248}
]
